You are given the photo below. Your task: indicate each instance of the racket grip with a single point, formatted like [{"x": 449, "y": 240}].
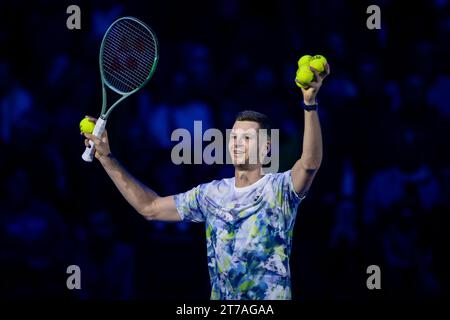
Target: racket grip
[{"x": 88, "y": 154}]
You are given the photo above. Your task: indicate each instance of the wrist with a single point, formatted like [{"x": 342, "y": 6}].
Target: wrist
[
  {"x": 104, "y": 160},
  {"x": 310, "y": 102},
  {"x": 310, "y": 105}
]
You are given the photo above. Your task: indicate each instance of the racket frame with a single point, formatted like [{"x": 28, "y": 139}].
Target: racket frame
[{"x": 100, "y": 125}]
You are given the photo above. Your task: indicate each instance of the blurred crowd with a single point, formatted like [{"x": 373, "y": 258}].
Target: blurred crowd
[{"x": 381, "y": 196}]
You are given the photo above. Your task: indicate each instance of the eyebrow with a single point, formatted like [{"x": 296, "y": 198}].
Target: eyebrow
[{"x": 247, "y": 131}]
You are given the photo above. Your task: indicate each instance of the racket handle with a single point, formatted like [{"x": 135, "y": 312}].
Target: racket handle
[{"x": 88, "y": 154}]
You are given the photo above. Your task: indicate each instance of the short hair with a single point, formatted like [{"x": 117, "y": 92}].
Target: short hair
[{"x": 261, "y": 119}]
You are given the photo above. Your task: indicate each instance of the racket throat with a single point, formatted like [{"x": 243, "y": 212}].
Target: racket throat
[{"x": 99, "y": 127}]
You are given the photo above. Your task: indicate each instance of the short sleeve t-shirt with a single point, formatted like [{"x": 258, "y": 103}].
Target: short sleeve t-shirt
[{"x": 248, "y": 234}]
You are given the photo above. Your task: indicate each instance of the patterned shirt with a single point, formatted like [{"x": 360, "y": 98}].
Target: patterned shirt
[{"x": 248, "y": 232}]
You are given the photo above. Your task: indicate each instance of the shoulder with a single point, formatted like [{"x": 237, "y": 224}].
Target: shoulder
[
  {"x": 220, "y": 185},
  {"x": 280, "y": 177}
]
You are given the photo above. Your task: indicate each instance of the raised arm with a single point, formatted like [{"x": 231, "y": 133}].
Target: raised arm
[
  {"x": 305, "y": 169},
  {"x": 143, "y": 199}
]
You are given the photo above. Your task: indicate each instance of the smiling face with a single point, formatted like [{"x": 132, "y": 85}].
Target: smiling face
[{"x": 246, "y": 148}]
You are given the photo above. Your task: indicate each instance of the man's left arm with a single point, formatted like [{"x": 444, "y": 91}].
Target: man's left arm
[{"x": 305, "y": 169}]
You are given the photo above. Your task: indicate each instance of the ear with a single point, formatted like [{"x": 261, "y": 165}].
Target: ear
[{"x": 269, "y": 146}]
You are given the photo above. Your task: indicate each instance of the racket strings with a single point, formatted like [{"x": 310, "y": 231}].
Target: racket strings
[
  {"x": 127, "y": 69},
  {"x": 113, "y": 64},
  {"x": 122, "y": 44},
  {"x": 129, "y": 53},
  {"x": 141, "y": 43}
]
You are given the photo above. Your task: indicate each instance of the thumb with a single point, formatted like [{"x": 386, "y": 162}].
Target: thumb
[
  {"x": 105, "y": 136},
  {"x": 92, "y": 138}
]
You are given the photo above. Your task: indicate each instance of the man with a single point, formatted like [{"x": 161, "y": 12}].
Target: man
[{"x": 249, "y": 219}]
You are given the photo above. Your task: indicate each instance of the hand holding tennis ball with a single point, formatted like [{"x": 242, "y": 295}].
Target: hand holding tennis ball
[
  {"x": 309, "y": 76},
  {"x": 101, "y": 146},
  {"x": 305, "y": 75},
  {"x": 87, "y": 125}
]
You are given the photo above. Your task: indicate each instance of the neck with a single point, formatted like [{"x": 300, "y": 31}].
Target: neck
[{"x": 246, "y": 177}]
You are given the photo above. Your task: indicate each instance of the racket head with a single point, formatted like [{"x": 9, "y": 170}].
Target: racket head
[{"x": 128, "y": 55}]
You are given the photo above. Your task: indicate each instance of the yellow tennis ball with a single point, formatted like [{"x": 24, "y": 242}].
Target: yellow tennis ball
[
  {"x": 319, "y": 57},
  {"x": 304, "y": 60},
  {"x": 318, "y": 62},
  {"x": 304, "y": 75},
  {"x": 300, "y": 85},
  {"x": 87, "y": 126}
]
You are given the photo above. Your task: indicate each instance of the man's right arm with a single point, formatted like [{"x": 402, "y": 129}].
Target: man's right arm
[{"x": 143, "y": 199}]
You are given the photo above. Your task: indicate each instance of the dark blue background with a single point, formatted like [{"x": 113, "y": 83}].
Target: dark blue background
[{"x": 381, "y": 196}]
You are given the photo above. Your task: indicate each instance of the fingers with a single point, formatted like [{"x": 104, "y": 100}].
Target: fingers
[
  {"x": 301, "y": 84},
  {"x": 105, "y": 136},
  {"x": 91, "y": 118},
  {"x": 327, "y": 71},
  {"x": 92, "y": 138},
  {"x": 317, "y": 77}
]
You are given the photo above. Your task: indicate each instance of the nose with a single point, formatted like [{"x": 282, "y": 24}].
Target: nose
[{"x": 238, "y": 144}]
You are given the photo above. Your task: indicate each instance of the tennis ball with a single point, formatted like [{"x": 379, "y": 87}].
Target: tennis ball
[
  {"x": 304, "y": 75},
  {"x": 304, "y": 60},
  {"x": 318, "y": 62},
  {"x": 87, "y": 126},
  {"x": 300, "y": 85}
]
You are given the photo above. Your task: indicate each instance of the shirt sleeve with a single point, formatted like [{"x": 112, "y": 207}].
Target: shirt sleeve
[
  {"x": 288, "y": 187},
  {"x": 288, "y": 198},
  {"x": 188, "y": 205}
]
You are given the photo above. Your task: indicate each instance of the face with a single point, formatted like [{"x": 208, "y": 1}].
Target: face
[{"x": 244, "y": 145}]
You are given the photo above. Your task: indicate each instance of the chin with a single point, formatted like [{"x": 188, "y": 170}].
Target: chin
[
  {"x": 246, "y": 166},
  {"x": 242, "y": 166}
]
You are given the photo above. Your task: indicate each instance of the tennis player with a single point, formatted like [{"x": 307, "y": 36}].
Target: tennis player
[{"x": 249, "y": 219}]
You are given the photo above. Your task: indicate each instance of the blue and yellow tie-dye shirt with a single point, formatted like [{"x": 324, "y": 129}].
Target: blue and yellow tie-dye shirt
[{"x": 248, "y": 232}]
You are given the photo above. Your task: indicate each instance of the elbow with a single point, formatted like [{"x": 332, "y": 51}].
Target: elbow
[
  {"x": 148, "y": 211},
  {"x": 311, "y": 165},
  {"x": 148, "y": 217}
]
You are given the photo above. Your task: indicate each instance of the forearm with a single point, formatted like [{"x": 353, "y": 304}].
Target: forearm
[
  {"x": 305, "y": 169},
  {"x": 136, "y": 193},
  {"x": 312, "y": 142}
]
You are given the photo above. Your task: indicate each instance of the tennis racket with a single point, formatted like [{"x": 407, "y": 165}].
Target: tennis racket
[{"x": 128, "y": 59}]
